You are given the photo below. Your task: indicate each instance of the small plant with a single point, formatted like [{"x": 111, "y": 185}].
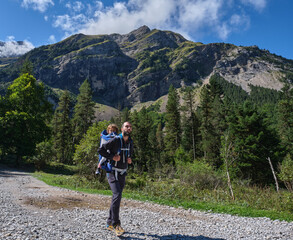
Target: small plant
[{"x": 44, "y": 154}]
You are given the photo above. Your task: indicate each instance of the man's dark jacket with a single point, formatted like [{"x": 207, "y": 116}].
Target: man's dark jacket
[{"x": 111, "y": 148}]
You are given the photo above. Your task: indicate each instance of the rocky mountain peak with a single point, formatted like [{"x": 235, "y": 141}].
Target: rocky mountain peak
[
  {"x": 140, "y": 66},
  {"x": 140, "y": 32}
]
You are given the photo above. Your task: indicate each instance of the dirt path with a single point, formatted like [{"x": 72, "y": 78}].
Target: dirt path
[{"x": 32, "y": 209}]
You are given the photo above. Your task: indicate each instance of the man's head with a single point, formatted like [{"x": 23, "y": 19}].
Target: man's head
[{"x": 126, "y": 129}]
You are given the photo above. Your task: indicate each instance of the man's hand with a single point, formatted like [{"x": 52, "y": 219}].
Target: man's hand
[
  {"x": 116, "y": 158},
  {"x": 129, "y": 161}
]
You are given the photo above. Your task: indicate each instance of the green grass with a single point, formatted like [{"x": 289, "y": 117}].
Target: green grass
[{"x": 140, "y": 190}]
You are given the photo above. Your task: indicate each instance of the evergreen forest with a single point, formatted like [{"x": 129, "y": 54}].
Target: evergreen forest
[{"x": 231, "y": 148}]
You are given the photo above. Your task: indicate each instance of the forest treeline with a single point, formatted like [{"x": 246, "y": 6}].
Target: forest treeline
[{"x": 230, "y": 135}]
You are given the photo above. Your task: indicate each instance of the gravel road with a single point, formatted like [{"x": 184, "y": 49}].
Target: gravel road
[{"x": 30, "y": 209}]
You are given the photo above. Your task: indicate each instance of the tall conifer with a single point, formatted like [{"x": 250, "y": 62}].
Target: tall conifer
[
  {"x": 285, "y": 119},
  {"x": 190, "y": 124},
  {"x": 253, "y": 142},
  {"x": 62, "y": 130},
  {"x": 83, "y": 111},
  {"x": 212, "y": 121},
  {"x": 173, "y": 125}
]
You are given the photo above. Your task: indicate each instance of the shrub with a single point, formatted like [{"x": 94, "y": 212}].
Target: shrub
[
  {"x": 86, "y": 152},
  {"x": 200, "y": 175},
  {"x": 286, "y": 172},
  {"x": 44, "y": 154}
]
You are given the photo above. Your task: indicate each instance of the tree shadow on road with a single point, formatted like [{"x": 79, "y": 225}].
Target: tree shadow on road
[
  {"x": 128, "y": 236},
  {"x": 10, "y": 172}
]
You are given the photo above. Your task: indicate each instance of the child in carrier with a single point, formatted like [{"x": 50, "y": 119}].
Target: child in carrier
[{"x": 106, "y": 135}]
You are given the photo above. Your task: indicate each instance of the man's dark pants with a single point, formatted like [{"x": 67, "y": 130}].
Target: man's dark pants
[{"x": 117, "y": 188}]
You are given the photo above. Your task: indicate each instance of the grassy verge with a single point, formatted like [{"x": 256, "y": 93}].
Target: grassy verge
[{"x": 152, "y": 191}]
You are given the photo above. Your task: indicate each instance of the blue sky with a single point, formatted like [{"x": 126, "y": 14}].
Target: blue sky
[{"x": 265, "y": 23}]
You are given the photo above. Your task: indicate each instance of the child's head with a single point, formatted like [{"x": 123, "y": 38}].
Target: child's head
[{"x": 112, "y": 128}]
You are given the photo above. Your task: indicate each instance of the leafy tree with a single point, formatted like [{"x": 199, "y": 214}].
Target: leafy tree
[
  {"x": 43, "y": 155},
  {"x": 86, "y": 151},
  {"x": 83, "y": 111},
  {"x": 62, "y": 130},
  {"x": 24, "y": 121},
  {"x": 172, "y": 125}
]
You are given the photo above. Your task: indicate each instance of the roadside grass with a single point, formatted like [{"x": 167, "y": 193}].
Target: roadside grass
[{"x": 250, "y": 201}]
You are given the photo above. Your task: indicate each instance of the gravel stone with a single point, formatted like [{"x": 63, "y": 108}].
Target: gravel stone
[{"x": 30, "y": 209}]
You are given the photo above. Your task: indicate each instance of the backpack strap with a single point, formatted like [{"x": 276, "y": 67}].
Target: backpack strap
[
  {"x": 125, "y": 152},
  {"x": 121, "y": 171}
]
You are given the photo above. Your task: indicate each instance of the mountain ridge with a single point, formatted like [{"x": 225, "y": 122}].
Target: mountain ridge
[{"x": 140, "y": 66}]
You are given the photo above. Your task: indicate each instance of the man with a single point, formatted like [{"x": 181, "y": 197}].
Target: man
[{"x": 119, "y": 150}]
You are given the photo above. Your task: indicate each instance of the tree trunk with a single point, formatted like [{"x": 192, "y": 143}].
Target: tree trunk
[
  {"x": 229, "y": 183},
  {"x": 272, "y": 168}
]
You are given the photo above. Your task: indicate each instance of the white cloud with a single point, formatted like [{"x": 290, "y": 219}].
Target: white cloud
[
  {"x": 70, "y": 24},
  {"x": 257, "y": 4},
  {"x": 184, "y": 16},
  {"x": 46, "y": 18},
  {"x": 188, "y": 17},
  {"x": 124, "y": 17},
  {"x": 14, "y": 48},
  {"x": 40, "y": 5},
  {"x": 76, "y": 6},
  {"x": 52, "y": 39}
]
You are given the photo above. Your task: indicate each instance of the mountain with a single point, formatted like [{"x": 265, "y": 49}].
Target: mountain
[{"x": 140, "y": 66}]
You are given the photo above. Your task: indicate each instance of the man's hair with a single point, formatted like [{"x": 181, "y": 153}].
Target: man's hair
[{"x": 126, "y": 122}]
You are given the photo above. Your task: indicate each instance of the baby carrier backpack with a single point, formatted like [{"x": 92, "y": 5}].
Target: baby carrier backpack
[{"x": 104, "y": 163}]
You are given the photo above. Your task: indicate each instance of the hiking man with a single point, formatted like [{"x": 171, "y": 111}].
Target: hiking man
[{"x": 119, "y": 150}]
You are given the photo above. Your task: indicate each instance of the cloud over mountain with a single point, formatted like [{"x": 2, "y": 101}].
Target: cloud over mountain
[
  {"x": 13, "y": 48},
  {"x": 188, "y": 17}
]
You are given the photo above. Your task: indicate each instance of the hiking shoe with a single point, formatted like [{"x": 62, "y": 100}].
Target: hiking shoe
[
  {"x": 118, "y": 230},
  {"x": 110, "y": 227}
]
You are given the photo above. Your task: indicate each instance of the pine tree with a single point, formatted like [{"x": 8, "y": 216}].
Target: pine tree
[
  {"x": 190, "y": 124},
  {"x": 62, "y": 130},
  {"x": 157, "y": 145},
  {"x": 285, "y": 119},
  {"x": 253, "y": 142},
  {"x": 212, "y": 115},
  {"x": 83, "y": 111},
  {"x": 27, "y": 67},
  {"x": 141, "y": 129},
  {"x": 173, "y": 125}
]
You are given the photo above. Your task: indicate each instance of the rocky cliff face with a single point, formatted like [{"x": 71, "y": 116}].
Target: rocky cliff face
[{"x": 140, "y": 66}]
